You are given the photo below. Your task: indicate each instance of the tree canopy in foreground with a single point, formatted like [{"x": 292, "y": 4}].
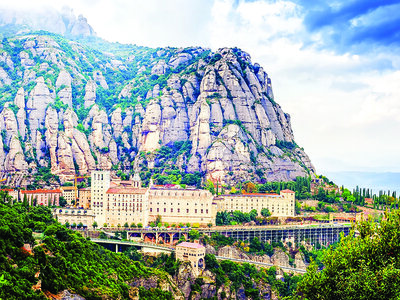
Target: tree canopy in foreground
[{"x": 365, "y": 266}]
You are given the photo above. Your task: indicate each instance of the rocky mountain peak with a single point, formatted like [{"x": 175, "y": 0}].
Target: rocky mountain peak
[{"x": 73, "y": 108}]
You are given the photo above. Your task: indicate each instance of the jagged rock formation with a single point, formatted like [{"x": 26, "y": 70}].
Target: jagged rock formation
[{"x": 72, "y": 108}]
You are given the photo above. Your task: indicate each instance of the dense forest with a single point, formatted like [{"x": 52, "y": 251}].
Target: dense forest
[{"x": 60, "y": 259}]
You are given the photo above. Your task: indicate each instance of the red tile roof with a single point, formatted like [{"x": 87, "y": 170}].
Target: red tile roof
[
  {"x": 66, "y": 188},
  {"x": 259, "y": 194},
  {"x": 250, "y": 195},
  {"x": 287, "y": 191},
  {"x": 42, "y": 191},
  {"x": 190, "y": 245}
]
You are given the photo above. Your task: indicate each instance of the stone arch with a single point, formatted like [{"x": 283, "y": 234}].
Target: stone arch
[
  {"x": 164, "y": 238},
  {"x": 175, "y": 238},
  {"x": 150, "y": 237}
]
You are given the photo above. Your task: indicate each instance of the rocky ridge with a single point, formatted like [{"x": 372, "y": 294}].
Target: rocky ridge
[{"x": 71, "y": 108}]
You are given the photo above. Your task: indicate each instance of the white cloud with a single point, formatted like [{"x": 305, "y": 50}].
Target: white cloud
[{"x": 342, "y": 106}]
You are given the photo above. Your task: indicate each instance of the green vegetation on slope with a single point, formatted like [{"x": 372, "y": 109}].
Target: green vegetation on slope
[{"x": 62, "y": 260}]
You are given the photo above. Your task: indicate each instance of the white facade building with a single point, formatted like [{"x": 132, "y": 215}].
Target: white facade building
[
  {"x": 120, "y": 202},
  {"x": 282, "y": 205},
  {"x": 100, "y": 183}
]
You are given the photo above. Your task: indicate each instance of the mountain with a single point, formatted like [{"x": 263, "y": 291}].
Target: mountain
[
  {"x": 44, "y": 18},
  {"x": 72, "y": 106}
]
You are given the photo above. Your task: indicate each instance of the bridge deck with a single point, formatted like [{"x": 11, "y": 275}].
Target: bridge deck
[{"x": 323, "y": 234}]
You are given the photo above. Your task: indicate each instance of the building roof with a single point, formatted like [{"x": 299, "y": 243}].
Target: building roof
[
  {"x": 287, "y": 191},
  {"x": 7, "y": 190},
  {"x": 126, "y": 190},
  {"x": 251, "y": 195},
  {"x": 67, "y": 188},
  {"x": 41, "y": 191},
  {"x": 85, "y": 189},
  {"x": 190, "y": 245}
]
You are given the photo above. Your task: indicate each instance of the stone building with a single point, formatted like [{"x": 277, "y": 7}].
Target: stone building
[
  {"x": 74, "y": 215},
  {"x": 69, "y": 194},
  {"x": 282, "y": 205},
  {"x": 100, "y": 183},
  {"x": 118, "y": 202},
  {"x": 175, "y": 204},
  {"x": 126, "y": 205},
  {"x": 84, "y": 197},
  {"x": 42, "y": 197},
  {"x": 193, "y": 253}
]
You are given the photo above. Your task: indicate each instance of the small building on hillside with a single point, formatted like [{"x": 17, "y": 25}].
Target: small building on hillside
[
  {"x": 193, "y": 253},
  {"x": 42, "y": 197}
]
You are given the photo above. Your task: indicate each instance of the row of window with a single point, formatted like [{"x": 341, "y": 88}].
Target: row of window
[
  {"x": 165, "y": 203},
  {"x": 181, "y": 193},
  {"x": 192, "y": 254},
  {"x": 178, "y": 210}
]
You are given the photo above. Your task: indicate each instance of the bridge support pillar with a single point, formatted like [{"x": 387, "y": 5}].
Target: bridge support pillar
[
  {"x": 156, "y": 237},
  {"x": 116, "y": 248}
]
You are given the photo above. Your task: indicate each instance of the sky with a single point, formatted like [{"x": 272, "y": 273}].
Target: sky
[{"x": 334, "y": 65}]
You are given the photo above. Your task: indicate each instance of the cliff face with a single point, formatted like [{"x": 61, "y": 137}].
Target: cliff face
[{"x": 73, "y": 107}]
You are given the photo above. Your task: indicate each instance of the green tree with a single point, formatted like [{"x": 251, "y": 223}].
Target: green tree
[
  {"x": 62, "y": 201},
  {"x": 95, "y": 225},
  {"x": 361, "y": 267},
  {"x": 253, "y": 214},
  {"x": 126, "y": 225},
  {"x": 265, "y": 212},
  {"x": 194, "y": 234}
]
